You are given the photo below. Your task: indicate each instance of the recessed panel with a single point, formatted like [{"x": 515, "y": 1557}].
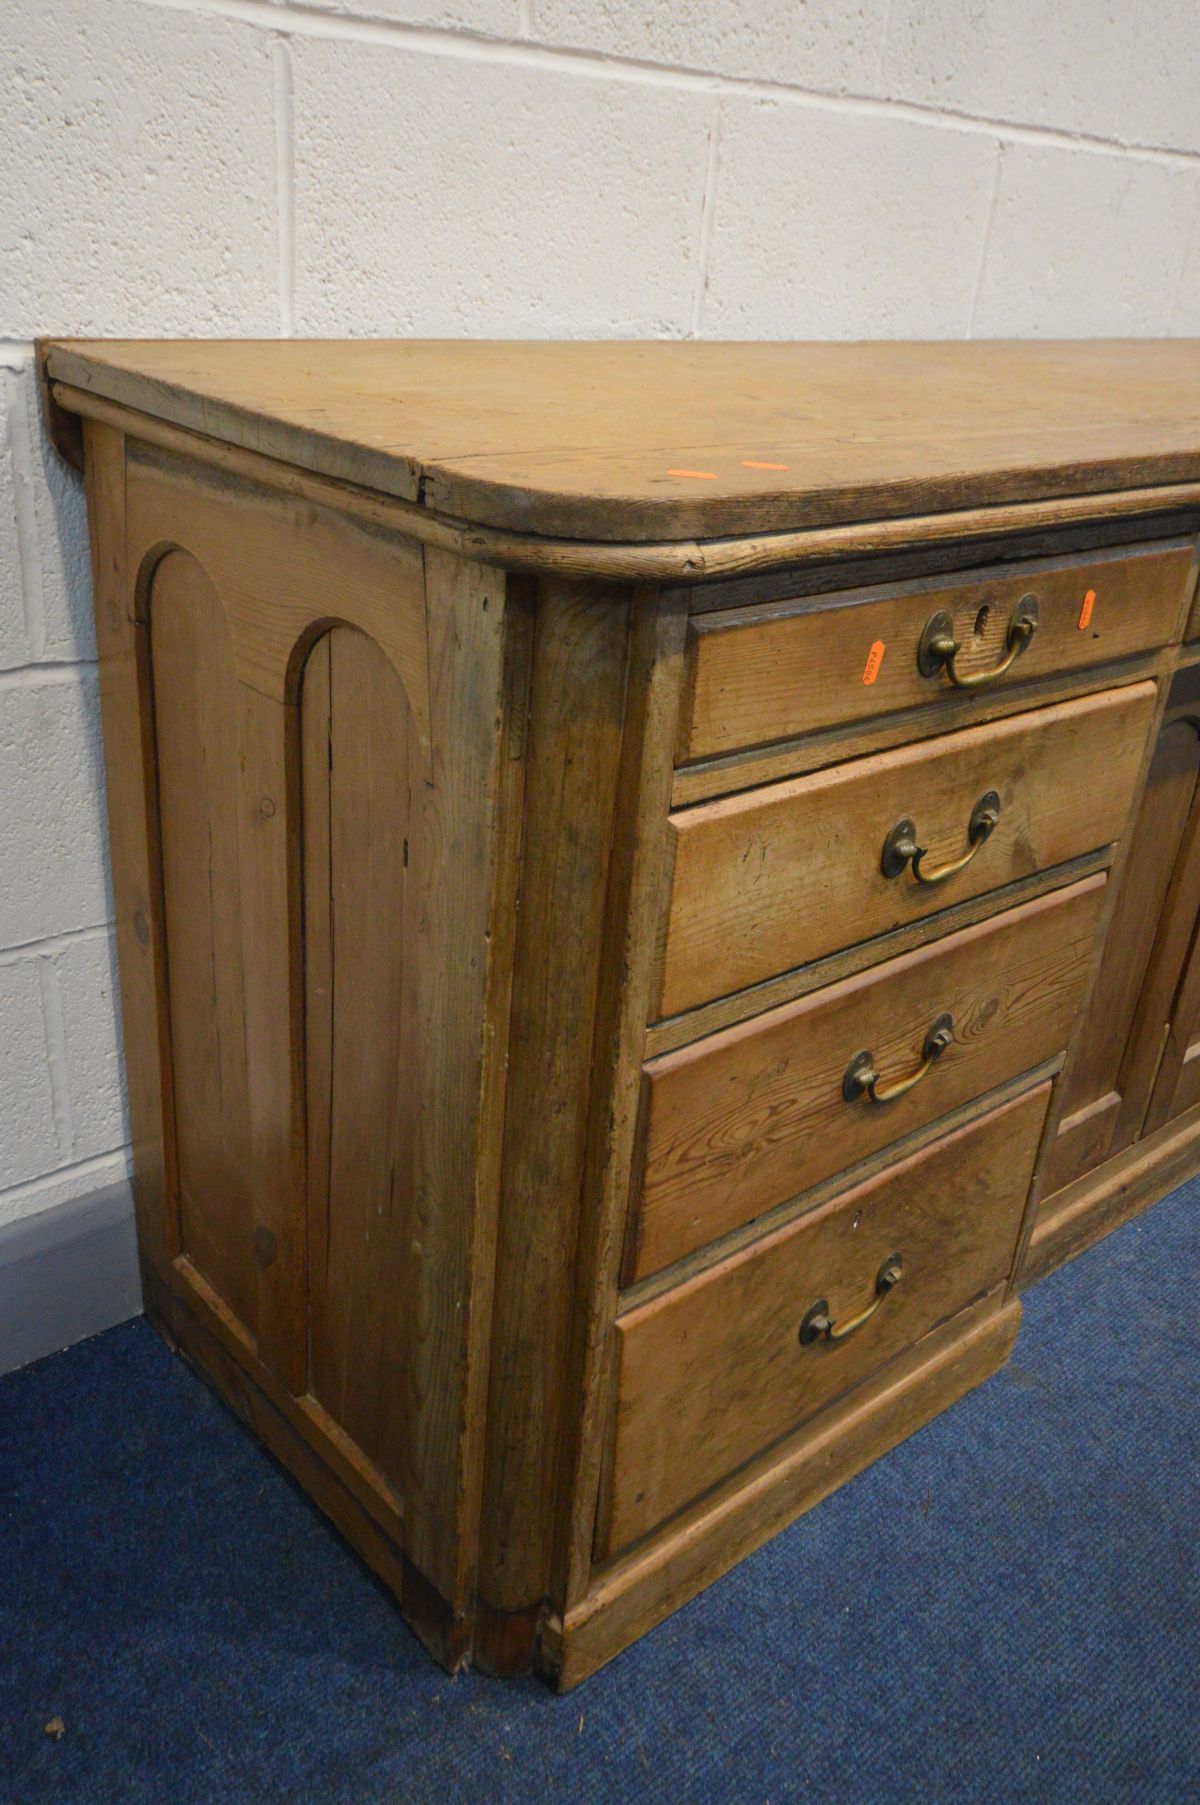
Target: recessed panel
[
  {"x": 196, "y": 713},
  {"x": 355, "y": 737}
]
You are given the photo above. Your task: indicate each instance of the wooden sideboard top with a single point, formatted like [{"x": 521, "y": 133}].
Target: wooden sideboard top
[{"x": 623, "y": 442}]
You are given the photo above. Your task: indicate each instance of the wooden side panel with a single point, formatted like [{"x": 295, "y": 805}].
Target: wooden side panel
[
  {"x": 227, "y": 820},
  {"x": 278, "y": 572},
  {"x": 635, "y": 896},
  {"x": 289, "y": 566},
  {"x": 197, "y": 709},
  {"x": 772, "y": 879},
  {"x": 460, "y": 926},
  {"x": 713, "y": 1371},
  {"x": 1095, "y": 1100},
  {"x": 355, "y": 731},
  {"x": 269, "y": 844},
  {"x": 131, "y": 788},
  {"x": 363, "y": 827}
]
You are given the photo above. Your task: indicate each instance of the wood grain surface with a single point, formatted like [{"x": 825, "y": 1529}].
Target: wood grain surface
[
  {"x": 197, "y": 706},
  {"x": 713, "y": 1371},
  {"x": 573, "y": 753},
  {"x": 1107, "y": 1087},
  {"x": 630, "y": 442},
  {"x": 632, "y": 1594},
  {"x": 758, "y": 675},
  {"x": 740, "y": 1122},
  {"x": 126, "y": 707},
  {"x": 355, "y": 729},
  {"x": 779, "y": 876},
  {"x": 439, "y": 968}
]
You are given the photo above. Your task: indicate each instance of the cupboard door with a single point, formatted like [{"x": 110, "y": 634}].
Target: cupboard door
[
  {"x": 1109, "y": 1078},
  {"x": 1160, "y": 1073},
  {"x": 1177, "y": 1086},
  {"x": 1173, "y": 1020}
]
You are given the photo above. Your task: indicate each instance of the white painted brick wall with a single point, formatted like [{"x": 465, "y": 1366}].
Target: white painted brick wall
[
  {"x": 499, "y": 195},
  {"x": 31, "y": 1144},
  {"x": 1061, "y": 65},
  {"x": 837, "y": 168},
  {"x": 803, "y": 231}
]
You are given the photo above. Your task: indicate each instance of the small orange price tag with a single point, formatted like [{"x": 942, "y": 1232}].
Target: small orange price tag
[
  {"x": 874, "y": 660},
  {"x": 1085, "y": 613}
]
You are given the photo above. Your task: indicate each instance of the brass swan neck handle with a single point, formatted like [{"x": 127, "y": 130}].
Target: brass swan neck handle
[
  {"x": 862, "y": 1078},
  {"x": 901, "y": 847},
  {"x": 939, "y": 650},
  {"x": 818, "y": 1325}
]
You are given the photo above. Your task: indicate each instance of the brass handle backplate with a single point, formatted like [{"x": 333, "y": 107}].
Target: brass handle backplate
[
  {"x": 901, "y": 847},
  {"x": 862, "y": 1079},
  {"x": 940, "y": 651},
  {"x": 818, "y": 1324}
]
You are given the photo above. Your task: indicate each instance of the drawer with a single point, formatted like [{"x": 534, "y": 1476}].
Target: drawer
[
  {"x": 757, "y": 675},
  {"x": 739, "y": 1122},
  {"x": 714, "y": 1371},
  {"x": 776, "y": 877}
]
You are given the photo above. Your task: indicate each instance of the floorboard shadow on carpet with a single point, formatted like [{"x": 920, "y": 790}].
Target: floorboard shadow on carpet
[{"x": 1005, "y": 1608}]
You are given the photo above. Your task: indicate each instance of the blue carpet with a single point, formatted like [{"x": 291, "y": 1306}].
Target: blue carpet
[{"x": 1006, "y": 1608}]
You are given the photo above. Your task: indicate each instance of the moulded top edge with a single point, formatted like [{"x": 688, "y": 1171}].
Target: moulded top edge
[{"x": 633, "y": 443}]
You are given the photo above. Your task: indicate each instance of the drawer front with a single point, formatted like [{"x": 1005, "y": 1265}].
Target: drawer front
[
  {"x": 714, "y": 1371},
  {"x": 777, "y": 877},
  {"x": 757, "y": 676},
  {"x": 743, "y": 1120}
]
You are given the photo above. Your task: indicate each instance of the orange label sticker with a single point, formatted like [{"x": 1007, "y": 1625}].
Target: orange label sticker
[
  {"x": 701, "y": 476},
  {"x": 1085, "y": 613},
  {"x": 874, "y": 660}
]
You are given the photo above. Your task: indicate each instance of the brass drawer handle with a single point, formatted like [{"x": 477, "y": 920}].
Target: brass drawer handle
[
  {"x": 862, "y": 1078},
  {"x": 900, "y": 848},
  {"x": 817, "y": 1325},
  {"x": 939, "y": 649}
]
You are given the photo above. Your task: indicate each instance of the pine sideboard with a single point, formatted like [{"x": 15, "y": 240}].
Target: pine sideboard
[{"x": 656, "y": 888}]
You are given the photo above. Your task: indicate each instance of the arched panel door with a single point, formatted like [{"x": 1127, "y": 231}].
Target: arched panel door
[
  {"x": 358, "y": 755},
  {"x": 196, "y": 713}
]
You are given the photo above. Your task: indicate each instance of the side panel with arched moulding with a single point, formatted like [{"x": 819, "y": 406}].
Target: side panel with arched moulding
[{"x": 314, "y": 735}]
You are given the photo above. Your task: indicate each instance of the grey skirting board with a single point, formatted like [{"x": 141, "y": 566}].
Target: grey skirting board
[{"x": 67, "y": 1273}]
